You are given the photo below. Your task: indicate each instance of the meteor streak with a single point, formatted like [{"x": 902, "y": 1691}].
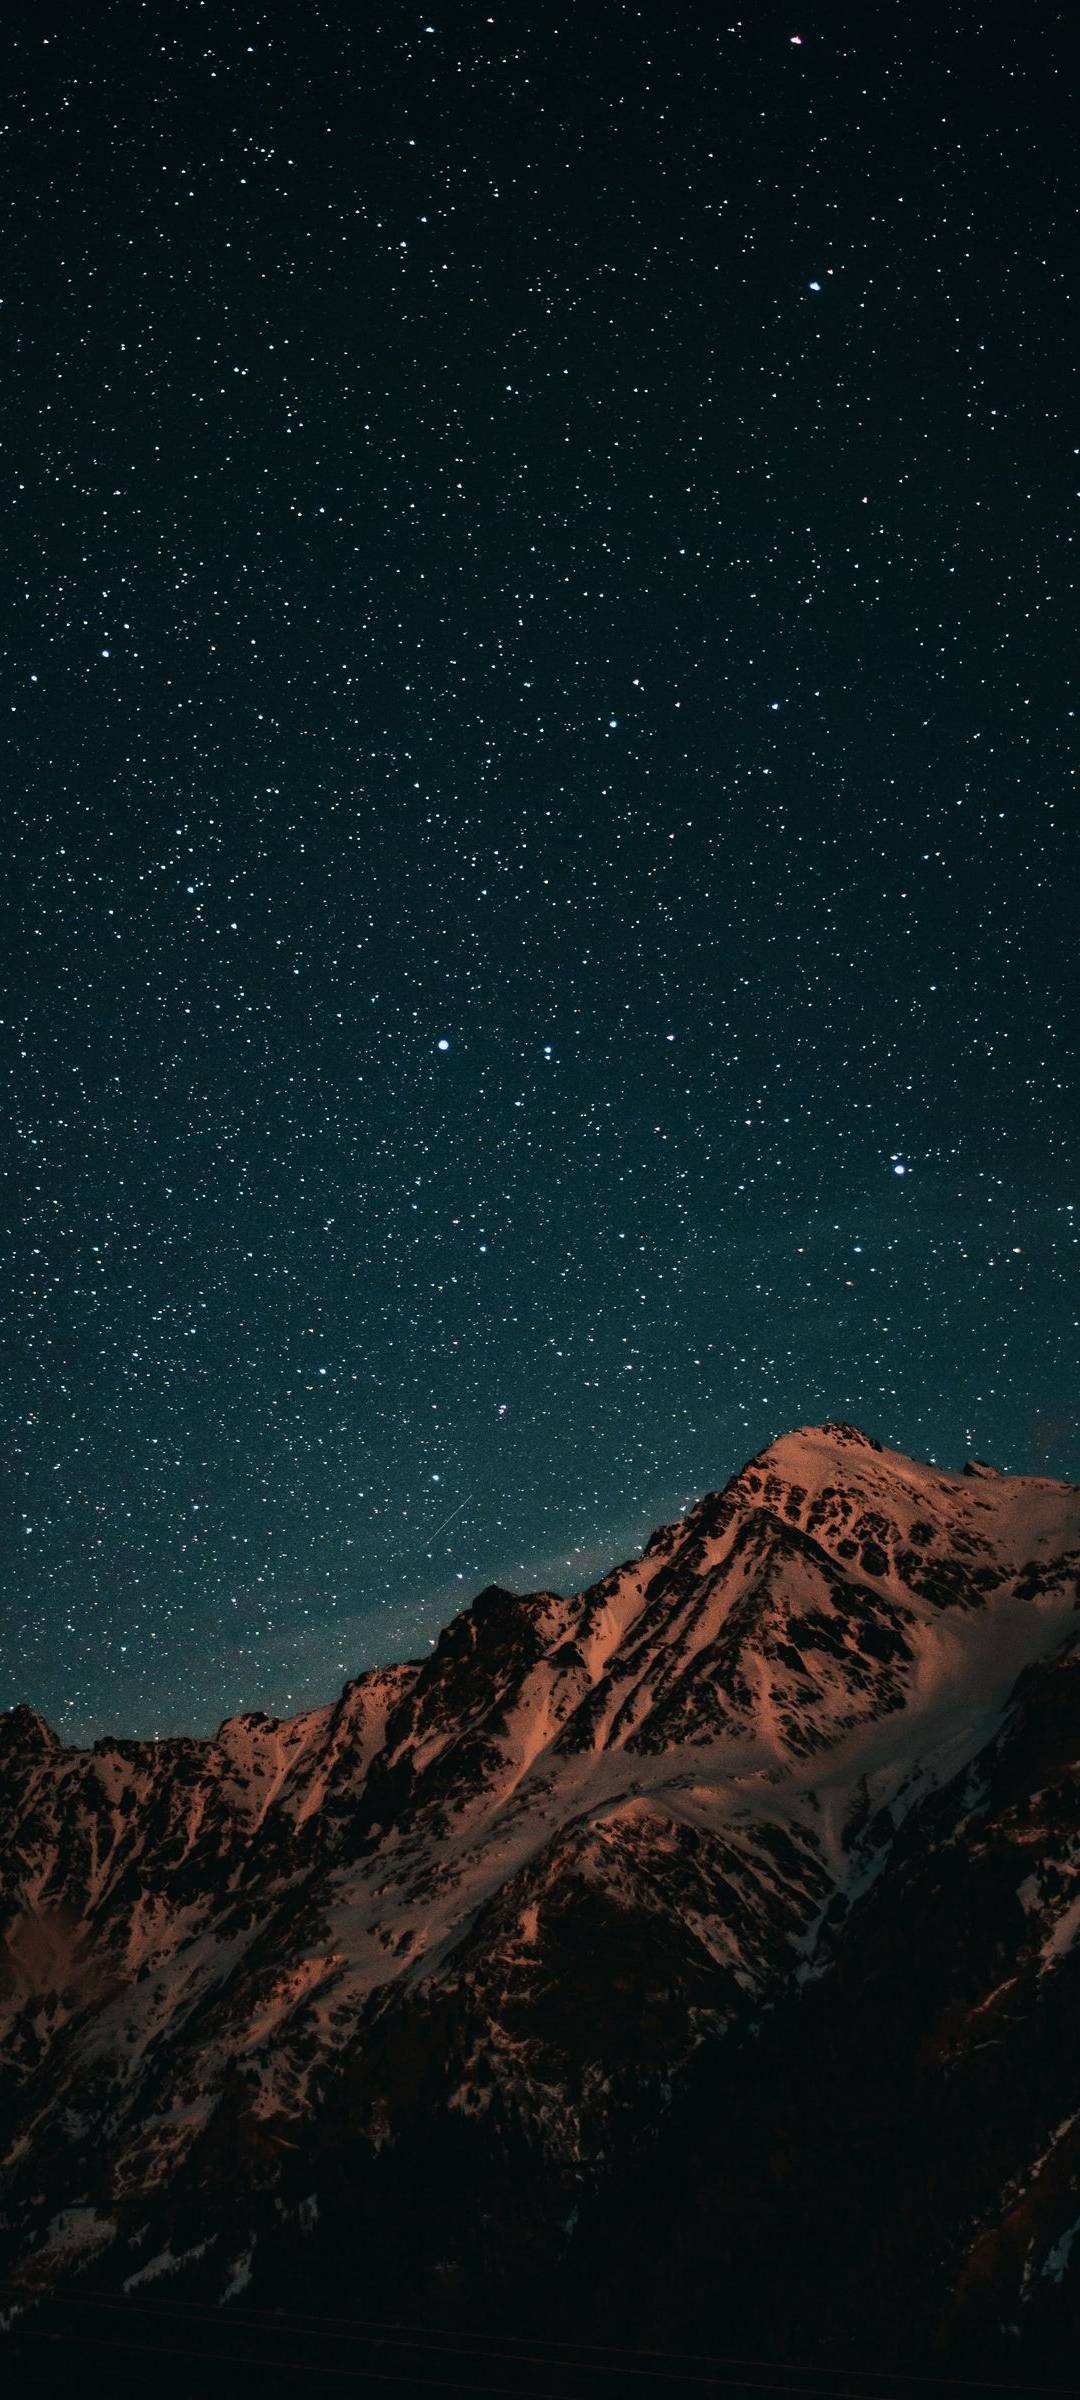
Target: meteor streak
[{"x": 455, "y": 1512}]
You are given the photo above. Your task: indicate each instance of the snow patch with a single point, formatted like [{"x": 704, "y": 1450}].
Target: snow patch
[
  {"x": 167, "y": 2262},
  {"x": 1057, "y": 2259},
  {"x": 74, "y": 2230},
  {"x": 239, "y": 2274},
  {"x": 1061, "y": 1937}
]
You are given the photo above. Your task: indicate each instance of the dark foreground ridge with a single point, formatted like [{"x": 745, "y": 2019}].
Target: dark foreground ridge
[{"x": 687, "y": 1969}]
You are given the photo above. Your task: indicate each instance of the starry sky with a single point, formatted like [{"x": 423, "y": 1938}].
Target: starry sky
[{"x": 539, "y": 940}]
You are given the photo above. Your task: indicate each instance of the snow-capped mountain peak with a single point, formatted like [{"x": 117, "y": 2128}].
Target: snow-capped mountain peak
[{"x": 699, "y": 1764}]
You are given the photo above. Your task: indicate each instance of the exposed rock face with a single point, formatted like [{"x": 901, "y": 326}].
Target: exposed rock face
[{"x": 591, "y": 1855}]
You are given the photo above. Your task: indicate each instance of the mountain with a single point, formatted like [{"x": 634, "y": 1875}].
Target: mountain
[{"x": 743, "y": 1882}]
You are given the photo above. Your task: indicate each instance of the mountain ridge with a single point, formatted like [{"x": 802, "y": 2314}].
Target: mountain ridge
[{"x": 516, "y": 1888}]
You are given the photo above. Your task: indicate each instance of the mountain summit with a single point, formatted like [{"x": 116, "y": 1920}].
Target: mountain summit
[{"x": 522, "y": 1898}]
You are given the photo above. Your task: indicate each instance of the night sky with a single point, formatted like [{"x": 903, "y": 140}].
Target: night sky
[{"x": 540, "y": 928}]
